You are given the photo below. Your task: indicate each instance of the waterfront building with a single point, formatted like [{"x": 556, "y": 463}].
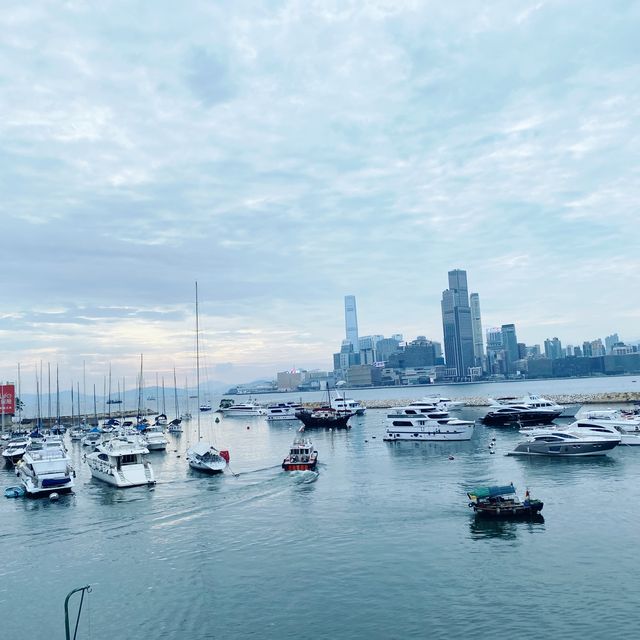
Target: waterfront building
[
  {"x": 586, "y": 349},
  {"x": 289, "y": 380},
  {"x": 495, "y": 352},
  {"x": 417, "y": 353},
  {"x": 346, "y": 358},
  {"x": 577, "y": 352},
  {"x": 476, "y": 327},
  {"x": 385, "y": 347},
  {"x": 522, "y": 351},
  {"x": 553, "y": 348},
  {"x": 621, "y": 349},
  {"x": 367, "y": 348},
  {"x": 456, "y": 325},
  {"x": 364, "y": 375},
  {"x": 351, "y": 321},
  {"x": 610, "y": 342},
  {"x": 597, "y": 348},
  {"x": 533, "y": 351},
  {"x": 510, "y": 346}
]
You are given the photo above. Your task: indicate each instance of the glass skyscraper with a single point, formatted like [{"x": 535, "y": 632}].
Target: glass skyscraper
[
  {"x": 476, "y": 326},
  {"x": 351, "y": 321},
  {"x": 456, "y": 324}
]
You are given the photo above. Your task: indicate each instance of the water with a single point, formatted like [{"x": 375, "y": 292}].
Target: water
[{"x": 379, "y": 544}]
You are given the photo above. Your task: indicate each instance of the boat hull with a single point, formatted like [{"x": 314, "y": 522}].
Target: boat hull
[
  {"x": 507, "y": 420},
  {"x": 509, "y": 512},
  {"x": 210, "y": 469},
  {"x": 439, "y": 434},
  {"x": 300, "y": 466},
  {"x": 573, "y": 450},
  {"x": 134, "y": 475},
  {"x": 334, "y": 422}
]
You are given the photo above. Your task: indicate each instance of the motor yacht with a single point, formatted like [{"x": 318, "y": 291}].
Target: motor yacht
[
  {"x": 446, "y": 404},
  {"x": 205, "y": 457},
  {"x": 92, "y": 439},
  {"x": 15, "y": 449},
  {"x": 629, "y": 423},
  {"x": 161, "y": 420},
  {"x": 46, "y": 468},
  {"x": 175, "y": 426},
  {"x": 121, "y": 463},
  {"x": 154, "y": 438},
  {"x": 505, "y": 415},
  {"x": 423, "y": 427},
  {"x": 280, "y": 411},
  {"x": 243, "y": 410},
  {"x": 417, "y": 410},
  {"x": 599, "y": 428},
  {"x": 533, "y": 401},
  {"x": 554, "y": 442},
  {"x": 349, "y": 405},
  {"x": 302, "y": 455}
]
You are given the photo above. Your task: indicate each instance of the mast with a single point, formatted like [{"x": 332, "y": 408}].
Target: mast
[
  {"x": 57, "y": 395},
  {"x": 95, "y": 406},
  {"x": 157, "y": 395},
  {"x": 49, "y": 392},
  {"x": 175, "y": 393},
  {"x": 72, "y": 414},
  {"x": 109, "y": 400},
  {"x": 38, "y": 422},
  {"x": 140, "y": 388},
  {"x": 19, "y": 396},
  {"x": 164, "y": 407},
  {"x": 198, "y": 359},
  {"x": 84, "y": 390},
  {"x": 78, "y": 395}
]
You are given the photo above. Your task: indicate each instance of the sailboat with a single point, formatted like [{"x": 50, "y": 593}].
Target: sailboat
[
  {"x": 175, "y": 426},
  {"x": 203, "y": 456}
]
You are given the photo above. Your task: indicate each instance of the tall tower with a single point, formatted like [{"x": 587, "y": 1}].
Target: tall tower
[
  {"x": 510, "y": 344},
  {"x": 456, "y": 324},
  {"x": 476, "y": 327},
  {"x": 351, "y": 321}
]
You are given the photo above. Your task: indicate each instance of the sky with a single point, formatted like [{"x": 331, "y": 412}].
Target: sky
[{"x": 287, "y": 153}]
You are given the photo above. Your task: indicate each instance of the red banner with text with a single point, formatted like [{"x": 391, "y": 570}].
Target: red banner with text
[{"x": 7, "y": 399}]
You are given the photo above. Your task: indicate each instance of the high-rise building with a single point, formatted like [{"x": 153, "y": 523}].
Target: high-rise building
[
  {"x": 610, "y": 341},
  {"x": 351, "y": 321},
  {"x": 476, "y": 327},
  {"x": 456, "y": 324},
  {"x": 495, "y": 352},
  {"x": 553, "y": 349},
  {"x": 586, "y": 349},
  {"x": 510, "y": 346},
  {"x": 597, "y": 348}
]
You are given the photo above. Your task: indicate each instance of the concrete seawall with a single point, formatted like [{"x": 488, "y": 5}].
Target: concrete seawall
[{"x": 623, "y": 397}]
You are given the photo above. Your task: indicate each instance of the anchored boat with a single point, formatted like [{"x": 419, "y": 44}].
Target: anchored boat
[
  {"x": 121, "y": 463},
  {"x": 302, "y": 456},
  {"x": 502, "y": 502}
]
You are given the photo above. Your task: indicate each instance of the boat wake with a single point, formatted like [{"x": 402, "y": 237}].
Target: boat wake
[{"x": 303, "y": 477}]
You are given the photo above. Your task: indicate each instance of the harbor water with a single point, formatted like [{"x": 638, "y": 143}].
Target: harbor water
[{"x": 379, "y": 544}]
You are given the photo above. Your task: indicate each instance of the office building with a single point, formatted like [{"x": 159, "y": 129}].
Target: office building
[
  {"x": 610, "y": 342},
  {"x": 456, "y": 325},
  {"x": 476, "y": 327},
  {"x": 351, "y": 321},
  {"x": 553, "y": 348},
  {"x": 495, "y": 352},
  {"x": 510, "y": 346}
]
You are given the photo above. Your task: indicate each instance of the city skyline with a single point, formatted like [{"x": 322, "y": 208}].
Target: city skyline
[{"x": 258, "y": 163}]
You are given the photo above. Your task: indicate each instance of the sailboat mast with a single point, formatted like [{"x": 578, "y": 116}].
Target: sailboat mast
[
  {"x": 57, "y": 395},
  {"x": 38, "y": 394},
  {"x": 198, "y": 359},
  {"x": 175, "y": 393},
  {"x": 49, "y": 392},
  {"x": 78, "y": 401},
  {"x": 95, "y": 406},
  {"x": 19, "y": 395},
  {"x": 109, "y": 400}
]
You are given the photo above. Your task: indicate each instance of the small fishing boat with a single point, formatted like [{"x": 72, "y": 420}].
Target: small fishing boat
[
  {"x": 502, "y": 502},
  {"x": 302, "y": 456},
  {"x": 205, "y": 457}
]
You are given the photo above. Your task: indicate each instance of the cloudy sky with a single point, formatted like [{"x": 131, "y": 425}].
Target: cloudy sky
[{"x": 286, "y": 153}]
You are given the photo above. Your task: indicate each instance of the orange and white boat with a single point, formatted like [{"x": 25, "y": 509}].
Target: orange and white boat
[{"x": 302, "y": 456}]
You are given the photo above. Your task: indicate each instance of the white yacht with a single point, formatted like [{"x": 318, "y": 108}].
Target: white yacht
[
  {"x": 446, "y": 404},
  {"x": 281, "y": 411},
  {"x": 536, "y": 402},
  {"x": 92, "y": 439},
  {"x": 599, "y": 428},
  {"x": 15, "y": 449},
  {"x": 161, "y": 420},
  {"x": 629, "y": 423},
  {"x": 423, "y": 427},
  {"x": 46, "y": 468},
  {"x": 243, "y": 410},
  {"x": 121, "y": 463},
  {"x": 419, "y": 409},
  {"x": 154, "y": 438},
  {"x": 355, "y": 407},
  {"x": 205, "y": 457},
  {"x": 556, "y": 442}
]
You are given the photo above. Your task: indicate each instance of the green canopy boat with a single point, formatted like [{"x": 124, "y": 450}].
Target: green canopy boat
[{"x": 502, "y": 502}]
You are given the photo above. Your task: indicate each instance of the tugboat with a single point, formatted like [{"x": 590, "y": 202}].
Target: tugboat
[
  {"x": 302, "y": 456},
  {"x": 502, "y": 502}
]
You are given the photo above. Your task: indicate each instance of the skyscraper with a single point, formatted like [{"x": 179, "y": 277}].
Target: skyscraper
[
  {"x": 476, "y": 326},
  {"x": 495, "y": 352},
  {"x": 456, "y": 324},
  {"x": 351, "y": 321},
  {"x": 609, "y": 341},
  {"x": 510, "y": 346}
]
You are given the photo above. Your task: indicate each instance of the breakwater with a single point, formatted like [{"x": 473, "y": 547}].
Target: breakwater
[{"x": 618, "y": 397}]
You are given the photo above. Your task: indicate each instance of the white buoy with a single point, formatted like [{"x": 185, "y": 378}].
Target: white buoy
[{"x": 54, "y": 496}]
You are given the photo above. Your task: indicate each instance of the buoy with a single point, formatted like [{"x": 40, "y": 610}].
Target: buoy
[
  {"x": 492, "y": 451},
  {"x": 54, "y": 496},
  {"x": 366, "y": 441},
  {"x": 248, "y": 427},
  {"x": 217, "y": 419},
  {"x": 451, "y": 458},
  {"x": 373, "y": 437},
  {"x": 493, "y": 439}
]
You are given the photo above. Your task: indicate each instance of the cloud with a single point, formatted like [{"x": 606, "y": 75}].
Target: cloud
[{"x": 286, "y": 153}]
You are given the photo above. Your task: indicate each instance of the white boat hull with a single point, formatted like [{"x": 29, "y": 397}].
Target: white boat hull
[
  {"x": 442, "y": 433},
  {"x": 208, "y": 467},
  {"x": 133, "y": 475},
  {"x": 36, "y": 490}
]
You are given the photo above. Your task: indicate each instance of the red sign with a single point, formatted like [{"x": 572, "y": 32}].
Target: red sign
[{"x": 7, "y": 399}]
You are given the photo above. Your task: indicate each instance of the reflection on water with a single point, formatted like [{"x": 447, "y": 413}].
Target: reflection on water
[{"x": 481, "y": 528}]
